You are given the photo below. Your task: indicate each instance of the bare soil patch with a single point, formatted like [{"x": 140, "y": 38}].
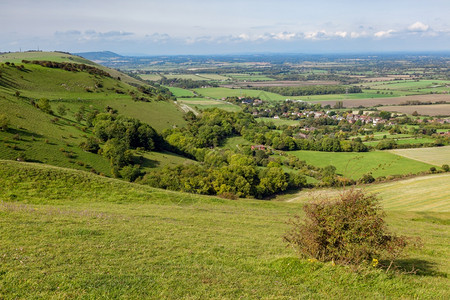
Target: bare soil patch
[{"x": 427, "y": 110}]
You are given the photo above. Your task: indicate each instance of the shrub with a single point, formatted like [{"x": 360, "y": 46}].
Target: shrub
[
  {"x": 348, "y": 230},
  {"x": 445, "y": 167},
  {"x": 4, "y": 122}
]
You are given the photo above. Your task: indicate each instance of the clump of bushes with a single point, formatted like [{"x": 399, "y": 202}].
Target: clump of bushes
[{"x": 347, "y": 230}]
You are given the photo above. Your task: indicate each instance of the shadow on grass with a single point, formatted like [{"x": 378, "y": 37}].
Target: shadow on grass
[
  {"x": 22, "y": 132},
  {"x": 147, "y": 163},
  {"x": 418, "y": 267}
]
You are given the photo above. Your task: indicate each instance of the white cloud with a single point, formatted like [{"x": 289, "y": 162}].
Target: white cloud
[
  {"x": 418, "y": 27},
  {"x": 384, "y": 34}
]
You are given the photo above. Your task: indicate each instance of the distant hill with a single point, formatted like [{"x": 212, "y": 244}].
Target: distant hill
[{"x": 99, "y": 56}]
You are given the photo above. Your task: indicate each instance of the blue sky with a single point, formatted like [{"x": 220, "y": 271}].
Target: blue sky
[{"x": 222, "y": 27}]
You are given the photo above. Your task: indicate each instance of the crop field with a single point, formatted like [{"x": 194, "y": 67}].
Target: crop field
[
  {"x": 103, "y": 238},
  {"x": 151, "y": 77},
  {"x": 424, "y": 86},
  {"x": 354, "y": 165},
  {"x": 179, "y": 92},
  {"x": 405, "y": 195},
  {"x": 427, "y": 110},
  {"x": 249, "y": 77},
  {"x": 386, "y": 100},
  {"x": 436, "y": 155}
]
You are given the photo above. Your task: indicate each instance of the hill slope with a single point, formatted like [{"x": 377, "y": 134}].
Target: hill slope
[
  {"x": 104, "y": 238},
  {"x": 37, "y": 135}
]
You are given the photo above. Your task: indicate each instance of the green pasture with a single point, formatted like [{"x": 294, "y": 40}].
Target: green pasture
[
  {"x": 205, "y": 103},
  {"x": 279, "y": 122},
  {"x": 405, "y": 141},
  {"x": 179, "y": 92},
  {"x": 354, "y": 164},
  {"x": 411, "y": 85},
  {"x": 235, "y": 142},
  {"x": 71, "y": 234}
]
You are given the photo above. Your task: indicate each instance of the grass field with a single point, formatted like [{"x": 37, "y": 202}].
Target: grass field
[
  {"x": 278, "y": 122},
  {"x": 405, "y": 141},
  {"x": 179, "y": 92},
  {"x": 103, "y": 238},
  {"x": 404, "y": 195},
  {"x": 435, "y": 156},
  {"x": 204, "y": 103},
  {"x": 219, "y": 93},
  {"x": 151, "y": 77},
  {"x": 354, "y": 165},
  {"x": 421, "y": 86},
  {"x": 235, "y": 142}
]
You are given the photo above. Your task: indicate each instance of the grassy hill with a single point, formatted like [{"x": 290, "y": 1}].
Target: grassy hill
[
  {"x": 53, "y": 139},
  {"x": 71, "y": 234}
]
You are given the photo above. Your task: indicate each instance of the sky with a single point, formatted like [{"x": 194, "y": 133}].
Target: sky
[{"x": 169, "y": 27}]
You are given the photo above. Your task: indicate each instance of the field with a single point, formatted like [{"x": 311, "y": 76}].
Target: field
[
  {"x": 278, "y": 122},
  {"x": 419, "y": 86},
  {"x": 204, "y": 103},
  {"x": 354, "y": 165},
  {"x": 219, "y": 93},
  {"x": 249, "y": 77},
  {"x": 385, "y": 100},
  {"x": 234, "y": 142},
  {"x": 404, "y": 141},
  {"x": 179, "y": 92},
  {"x": 103, "y": 238},
  {"x": 427, "y": 110},
  {"x": 435, "y": 156},
  {"x": 403, "y": 195}
]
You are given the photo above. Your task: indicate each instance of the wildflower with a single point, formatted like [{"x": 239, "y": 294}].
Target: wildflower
[{"x": 374, "y": 262}]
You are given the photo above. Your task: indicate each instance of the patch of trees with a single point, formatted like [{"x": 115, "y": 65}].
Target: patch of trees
[
  {"x": 185, "y": 83},
  {"x": 311, "y": 90},
  {"x": 73, "y": 67},
  {"x": 237, "y": 176}
]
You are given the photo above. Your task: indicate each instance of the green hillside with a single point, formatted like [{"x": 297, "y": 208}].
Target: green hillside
[
  {"x": 71, "y": 234},
  {"x": 17, "y": 57},
  {"x": 53, "y": 138}
]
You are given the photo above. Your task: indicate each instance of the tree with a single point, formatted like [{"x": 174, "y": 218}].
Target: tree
[
  {"x": 61, "y": 109},
  {"x": 44, "y": 105},
  {"x": 445, "y": 167}
]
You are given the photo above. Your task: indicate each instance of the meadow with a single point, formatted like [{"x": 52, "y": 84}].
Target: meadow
[
  {"x": 205, "y": 103},
  {"x": 104, "y": 238},
  {"x": 354, "y": 164}
]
